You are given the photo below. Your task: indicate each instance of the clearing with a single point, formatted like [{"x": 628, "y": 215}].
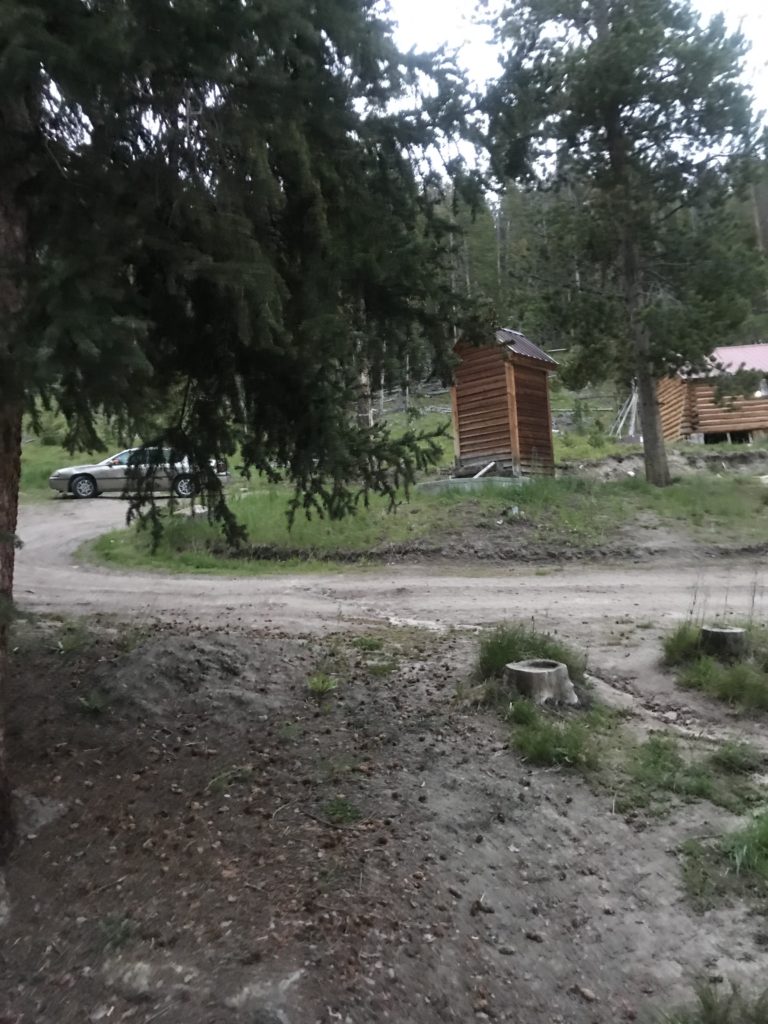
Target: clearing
[{"x": 258, "y": 800}]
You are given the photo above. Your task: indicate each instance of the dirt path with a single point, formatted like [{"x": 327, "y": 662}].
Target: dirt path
[
  {"x": 581, "y": 600},
  {"x": 190, "y": 872}
]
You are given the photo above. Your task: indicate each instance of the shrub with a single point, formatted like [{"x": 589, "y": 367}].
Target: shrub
[
  {"x": 714, "y": 1006},
  {"x": 544, "y": 740},
  {"x": 518, "y": 642},
  {"x": 682, "y": 644}
]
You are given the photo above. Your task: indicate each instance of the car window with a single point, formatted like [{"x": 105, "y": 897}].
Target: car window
[{"x": 121, "y": 459}]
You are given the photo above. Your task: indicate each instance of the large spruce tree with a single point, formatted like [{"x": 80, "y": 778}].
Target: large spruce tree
[
  {"x": 215, "y": 209},
  {"x": 635, "y": 111}
]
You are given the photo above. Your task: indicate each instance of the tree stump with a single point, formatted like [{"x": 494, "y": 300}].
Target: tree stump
[
  {"x": 729, "y": 643},
  {"x": 541, "y": 681}
]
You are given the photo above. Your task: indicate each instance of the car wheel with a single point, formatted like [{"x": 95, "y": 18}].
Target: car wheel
[
  {"x": 184, "y": 487},
  {"x": 84, "y": 487}
]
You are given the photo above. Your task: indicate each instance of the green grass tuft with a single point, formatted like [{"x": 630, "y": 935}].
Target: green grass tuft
[
  {"x": 738, "y": 758},
  {"x": 747, "y": 850},
  {"x": 682, "y": 644},
  {"x": 734, "y": 865},
  {"x": 544, "y": 740},
  {"x": 744, "y": 684},
  {"x": 368, "y": 644},
  {"x": 518, "y": 642},
  {"x": 341, "y": 812},
  {"x": 321, "y": 684},
  {"x": 721, "y": 1006}
]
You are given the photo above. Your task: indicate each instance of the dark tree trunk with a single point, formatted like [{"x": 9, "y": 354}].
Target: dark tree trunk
[
  {"x": 10, "y": 467},
  {"x": 13, "y": 260},
  {"x": 654, "y": 449}
]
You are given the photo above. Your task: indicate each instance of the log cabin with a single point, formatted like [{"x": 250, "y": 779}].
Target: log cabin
[
  {"x": 688, "y": 407},
  {"x": 501, "y": 407}
]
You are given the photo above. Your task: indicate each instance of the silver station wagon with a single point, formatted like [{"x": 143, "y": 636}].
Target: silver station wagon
[{"x": 112, "y": 475}]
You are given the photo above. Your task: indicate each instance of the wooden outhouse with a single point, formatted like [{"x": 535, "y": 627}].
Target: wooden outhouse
[
  {"x": 688, "y": 406},
  {"x": 501, "y": 409}
]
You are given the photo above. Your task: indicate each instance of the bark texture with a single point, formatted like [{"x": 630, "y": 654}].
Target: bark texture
[{"x": 13, "y": 261}]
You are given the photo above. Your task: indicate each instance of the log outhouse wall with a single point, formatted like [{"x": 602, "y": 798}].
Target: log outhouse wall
[{"x": 501, "y": 409}]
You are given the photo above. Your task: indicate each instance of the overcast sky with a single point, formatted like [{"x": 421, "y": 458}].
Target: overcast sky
[{"x": 427, "y": 24}]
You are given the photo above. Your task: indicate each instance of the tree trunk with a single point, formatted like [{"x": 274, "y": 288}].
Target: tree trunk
[
  {"x": 10, "y": 468},
  {"x": 14, "y": 251},
  {"x": 654, "y": 450}
]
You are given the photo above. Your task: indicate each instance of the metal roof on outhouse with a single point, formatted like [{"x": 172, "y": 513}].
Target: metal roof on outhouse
[{"x": 522, "y": 346}]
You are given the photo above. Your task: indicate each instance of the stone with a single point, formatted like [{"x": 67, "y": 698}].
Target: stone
[{"x": 586, "y": 993}]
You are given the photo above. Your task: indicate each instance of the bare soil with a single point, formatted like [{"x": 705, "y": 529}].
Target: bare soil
[
  {"x": 207, "y": 842},
  {"x": 204, "y": 841}
]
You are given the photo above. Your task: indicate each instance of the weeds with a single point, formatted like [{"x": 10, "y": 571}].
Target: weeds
[
  {"x": 736, "y": 863},
  {"x": 368, "y": 644},
  {"x": 659, "y": 767},
  {"x": 74, "y": 636},
  {"x": 742, "y": 683},
  {"x": 747, "y": 850},
  {"x": 235, "y": 773},
  {"x": 721, "y": 1007},
  {"x": 738, "y": 758},
  {"x": 340, "y": 811},
  {"x": 542, "y": 739},
  {"x": 93, "y": 703},
  {"x": 518, "y": 642},
  {"x": 320, "y": 684},
  {"x": 683, "y": 644}
]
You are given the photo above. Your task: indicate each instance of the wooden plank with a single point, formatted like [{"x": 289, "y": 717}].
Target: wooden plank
[
  {"x": 514, "y": 437},
  {"x": 456, "y": 423}
]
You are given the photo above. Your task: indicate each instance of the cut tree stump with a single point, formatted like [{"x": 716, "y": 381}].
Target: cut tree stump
[
  {"x": 541, "y": 681},
  {"x": 729, "y": 642}
]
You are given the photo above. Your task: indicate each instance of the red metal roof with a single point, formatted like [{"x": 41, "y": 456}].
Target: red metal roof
[
  {"x": 522, "y": 346},
  {"x": 751, "y": 357}
]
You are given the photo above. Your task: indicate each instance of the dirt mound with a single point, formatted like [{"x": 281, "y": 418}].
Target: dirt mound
[
  {"x": 618, "y": 467},
  {"x": 208, "y": 674}
]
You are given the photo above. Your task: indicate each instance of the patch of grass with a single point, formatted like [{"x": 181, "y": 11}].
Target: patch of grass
[
  {"x": 747, "y": 850},
  {"x": 738, "y": 758},
  {"x": 93, "y": 703},
  {"x": 658, "y": 769},
  {"x": 721, "y": 1006},
  {"x": 368, "y": 644},
  {"x": 543, "y": 739},
  {"x": 288, "y": 732},
  {"x": 236, "y": 773},
  {"x": 39, "y": 460},
  {"x": 320, "y": 684},
  {"x": 735, "y": 864},
  {"x": 340, "y": 811},
  {"x": 742, "y": 683},
  {"x": 574, "y": 446},
  {"x": 683, "y": 644},
  {"x": 116, "y": 931},
  {"x": 74, "y": 636},
  {"x": 570, "y": 512},
  {"x": 519, "y": 642}
]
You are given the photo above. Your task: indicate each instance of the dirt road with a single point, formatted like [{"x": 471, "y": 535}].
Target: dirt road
[
  {"x": 580, "y": 599},
  {"x": 191, "y": 778}
]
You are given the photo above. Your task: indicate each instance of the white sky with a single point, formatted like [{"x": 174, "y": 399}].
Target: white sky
[{"x": 427, "y": 24}]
